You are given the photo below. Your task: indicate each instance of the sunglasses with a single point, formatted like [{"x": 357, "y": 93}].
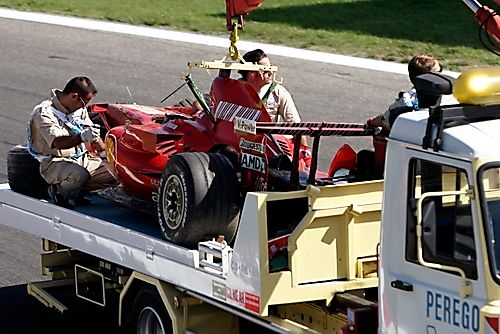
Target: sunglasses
[{"x": 84, "y": 103}]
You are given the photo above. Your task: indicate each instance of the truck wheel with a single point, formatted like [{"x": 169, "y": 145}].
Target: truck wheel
[
  {"x": 23, "y": 173},
  {"x": 199, "y": 198},
  {"x": 149, "y": 314}
]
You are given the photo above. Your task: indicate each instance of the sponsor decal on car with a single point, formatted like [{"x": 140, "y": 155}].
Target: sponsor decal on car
[
  {"x": 253, "y": 162},
  {"x": 253, "y": 146},
  {"x": 229, "y": 111},
  {"x": 245, "y": 125},
  {"x": 144, "y": 109},
  {"x": 171, "y": 126}
]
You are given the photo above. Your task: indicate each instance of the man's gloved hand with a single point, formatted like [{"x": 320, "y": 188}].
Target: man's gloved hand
[{"x": 90, "y": 134}]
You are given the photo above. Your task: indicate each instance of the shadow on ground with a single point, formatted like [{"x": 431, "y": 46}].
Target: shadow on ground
[
  {"x": 447, "y": 22},
  {"x": 23, "y": 314}
]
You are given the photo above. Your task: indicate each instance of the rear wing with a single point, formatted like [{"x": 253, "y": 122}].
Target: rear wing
[{"x": 315, "y": 130}]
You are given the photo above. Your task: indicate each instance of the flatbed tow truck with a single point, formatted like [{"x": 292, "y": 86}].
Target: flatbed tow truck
[
  {"x": 117, "y": 248},
  {"x": 427, "y": 263}
]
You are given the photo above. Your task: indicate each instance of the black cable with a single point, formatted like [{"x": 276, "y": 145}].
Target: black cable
[
  {"x": 491, "y": 44},
  {"x": 175, "y": 91},
  {"x": 492, "y": 40}
]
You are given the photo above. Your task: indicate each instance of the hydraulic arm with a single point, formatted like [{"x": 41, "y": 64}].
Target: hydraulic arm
[
  {"x": 238, "y": 8},
  {"x": 487, "y": 17}
]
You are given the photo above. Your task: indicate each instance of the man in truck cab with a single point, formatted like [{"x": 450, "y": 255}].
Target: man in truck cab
[
  {"x": 406, "y": 101},
  {"x": 60, "y": 134},
  {"x": 371, "y": 164}
]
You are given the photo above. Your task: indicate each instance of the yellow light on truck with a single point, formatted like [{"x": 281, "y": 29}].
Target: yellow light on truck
[{"x": 478, "y": 86}]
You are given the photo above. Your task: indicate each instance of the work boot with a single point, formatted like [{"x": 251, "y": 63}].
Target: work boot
[{"x": 57, "y": 198}]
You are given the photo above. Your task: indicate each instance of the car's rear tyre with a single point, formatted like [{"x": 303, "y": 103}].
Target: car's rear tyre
[
  {"x": 199, "y": 198},
  {"x": 23, "y": 173}
]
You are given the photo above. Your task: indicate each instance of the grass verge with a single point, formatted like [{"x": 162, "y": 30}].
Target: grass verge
[{"x": 392, "y": 30}]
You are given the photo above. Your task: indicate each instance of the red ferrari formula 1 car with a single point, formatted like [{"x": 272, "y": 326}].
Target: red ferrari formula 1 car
[{"x": 197, "y": 167}]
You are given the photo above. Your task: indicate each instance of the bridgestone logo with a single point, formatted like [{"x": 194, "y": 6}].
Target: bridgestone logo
[
  {"x": 253, "y": 162},
  {"x": 250, "y": 145}
]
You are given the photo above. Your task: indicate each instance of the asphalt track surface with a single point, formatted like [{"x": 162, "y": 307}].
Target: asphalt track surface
[{"x": 37, "y": 57}]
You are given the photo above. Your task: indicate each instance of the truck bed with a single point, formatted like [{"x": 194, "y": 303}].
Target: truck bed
[
  {"x": 105, "y": 230},
  {"x": 332, "y": 239}
]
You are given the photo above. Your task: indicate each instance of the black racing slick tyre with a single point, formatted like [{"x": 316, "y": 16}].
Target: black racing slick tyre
[
  {"x": 23, "y": 173},
  {"x": 199, "y": 198},
  {"x": 149, "y": 315}
]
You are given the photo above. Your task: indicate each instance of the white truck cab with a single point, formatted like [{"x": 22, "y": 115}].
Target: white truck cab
[{"x": 439, "y": 267}]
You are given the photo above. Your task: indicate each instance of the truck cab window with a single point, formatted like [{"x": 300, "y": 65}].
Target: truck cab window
[
  {"x": 489, "y": 188},
  {"x": 448, "y": 236}
]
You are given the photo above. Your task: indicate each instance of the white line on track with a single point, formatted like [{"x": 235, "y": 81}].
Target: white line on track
[{"x": 185, "y": 37}]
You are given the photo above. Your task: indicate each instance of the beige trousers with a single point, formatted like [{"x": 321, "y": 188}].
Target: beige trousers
[{"x": 74, "y": 175}]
